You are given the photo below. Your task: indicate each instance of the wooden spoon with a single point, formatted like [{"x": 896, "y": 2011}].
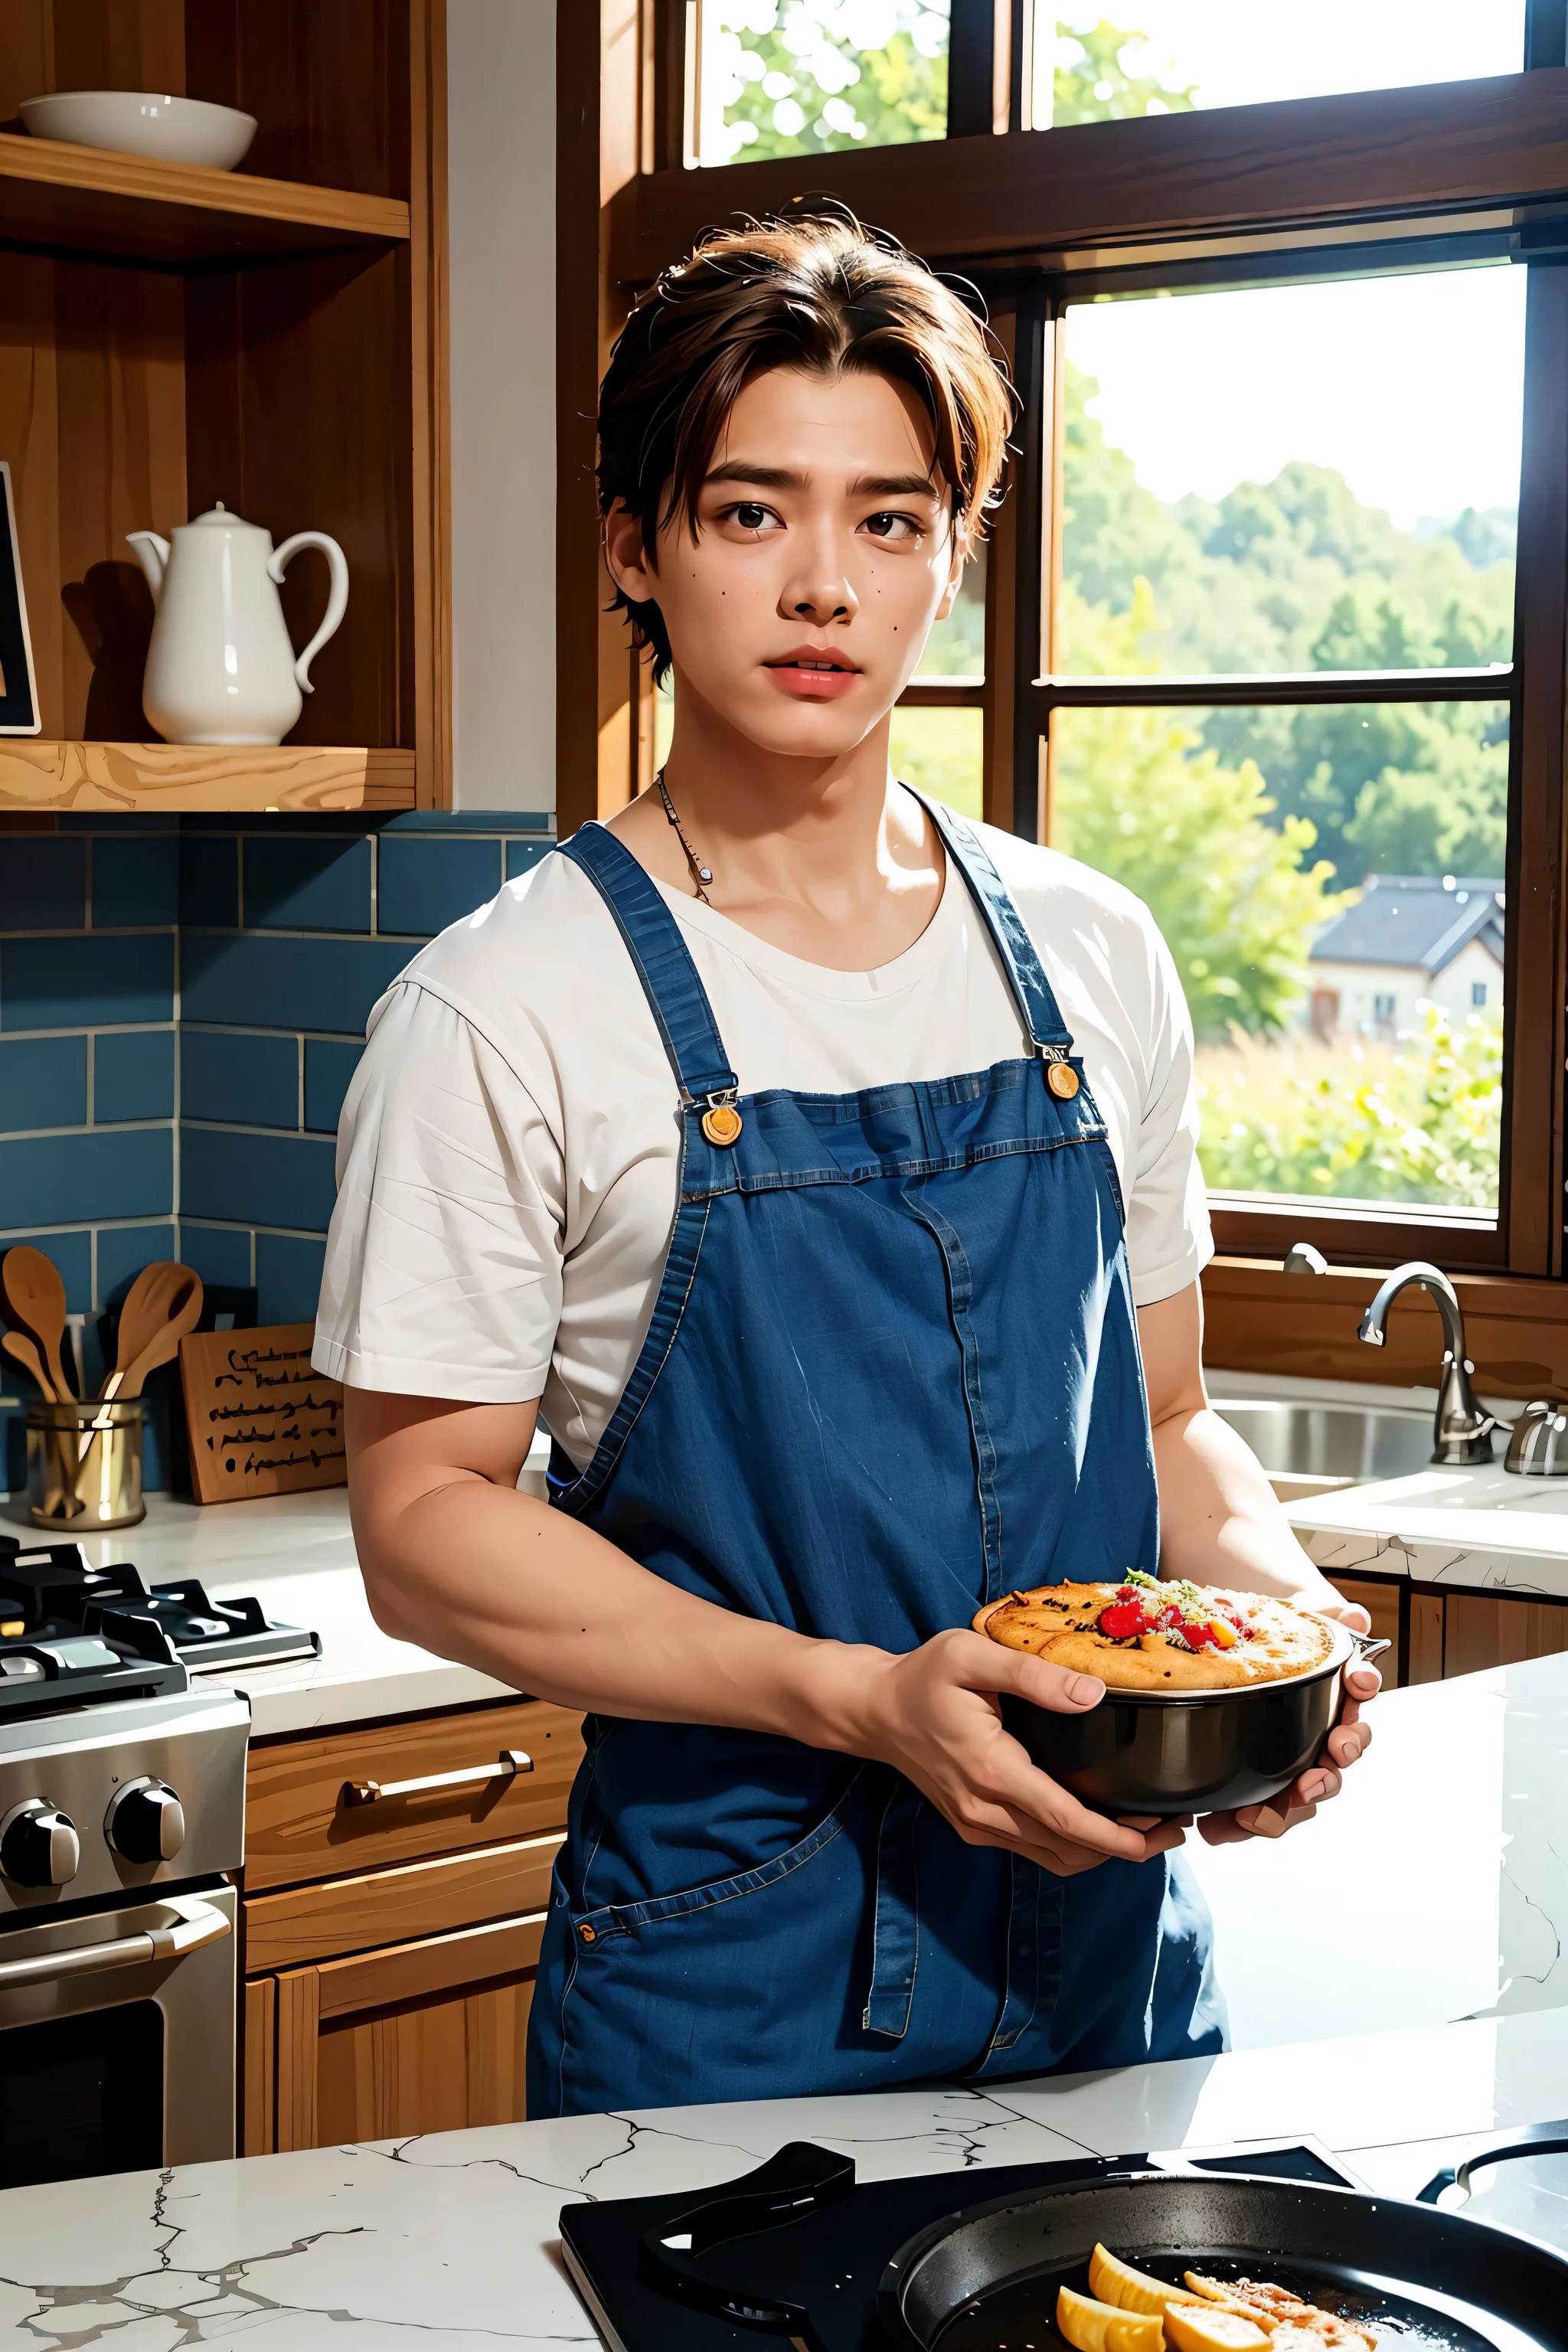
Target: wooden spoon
[
  {"x": 36, "y": 1299},
  {"x": 184, "y": 1310},
  {"x": 17, "y": 1344},
  {"x": 143, "y": 1315}
]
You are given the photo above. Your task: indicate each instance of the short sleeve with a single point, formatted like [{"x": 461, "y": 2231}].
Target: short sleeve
[
  {"x": 443, "y": 1273},
  {"x": 1169, "y": 1240}
]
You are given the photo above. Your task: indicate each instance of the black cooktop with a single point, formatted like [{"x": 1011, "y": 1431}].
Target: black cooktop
[
  {"x": 638, "y": 2261},
  {"x": 71, "y": 1634}
]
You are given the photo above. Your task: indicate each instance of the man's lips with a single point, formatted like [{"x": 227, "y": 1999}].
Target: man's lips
[{"x": 811, "y": 675}]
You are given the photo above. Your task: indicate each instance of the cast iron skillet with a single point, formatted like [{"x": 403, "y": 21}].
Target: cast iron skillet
[
  {"x": 1190, "y": 1751},
  {"x": 1428, "y": 2281}
]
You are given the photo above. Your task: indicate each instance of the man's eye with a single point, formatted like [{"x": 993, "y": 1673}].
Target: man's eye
[
  {"x": 892, "y": 527},
  {"x": 751, "y": 517}
]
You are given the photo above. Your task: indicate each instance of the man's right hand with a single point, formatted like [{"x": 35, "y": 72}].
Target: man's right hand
[{"x": 935, "y": 1713}]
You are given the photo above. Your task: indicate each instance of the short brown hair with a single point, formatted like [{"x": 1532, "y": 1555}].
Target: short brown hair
[{"x": 818, "y": 292}]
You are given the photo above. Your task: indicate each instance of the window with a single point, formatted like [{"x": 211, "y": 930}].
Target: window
[
  {"x": 1300, "y": 483},
  {"x": 1273, "y": 623},
  {"x": 1207, "y": 53},
  {"x": 812, "y": 77}
]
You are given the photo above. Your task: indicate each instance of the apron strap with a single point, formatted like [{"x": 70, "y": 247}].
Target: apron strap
[
  {"x": 1042, "y": 1016},
  {"x": 676, "y": 996}
]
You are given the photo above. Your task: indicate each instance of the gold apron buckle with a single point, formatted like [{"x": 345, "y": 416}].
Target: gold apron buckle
[{"x": 721, "y": 1123}]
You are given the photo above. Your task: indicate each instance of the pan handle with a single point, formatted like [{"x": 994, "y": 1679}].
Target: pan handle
[
  {"x": 798, "y": 2180},
  {"x": 1547, "y": 2139}
]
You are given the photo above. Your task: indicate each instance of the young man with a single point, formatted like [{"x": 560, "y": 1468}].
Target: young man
[{"x": 825, "y": 1165}]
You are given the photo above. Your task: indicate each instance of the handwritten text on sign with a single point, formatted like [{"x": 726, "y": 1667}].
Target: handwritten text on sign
[{"x": 260, "y": 1420}]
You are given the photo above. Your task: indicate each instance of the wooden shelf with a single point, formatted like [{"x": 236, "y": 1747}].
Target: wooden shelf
[
  {"x": 172, "y": 779},
  {"x": 86, "y": 201}
]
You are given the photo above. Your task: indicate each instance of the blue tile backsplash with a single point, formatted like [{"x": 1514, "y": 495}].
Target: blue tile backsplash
[{"x": 182, "y": 1008}]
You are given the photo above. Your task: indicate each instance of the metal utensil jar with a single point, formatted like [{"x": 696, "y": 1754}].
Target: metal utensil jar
[{"x": 84, "y": 1465}]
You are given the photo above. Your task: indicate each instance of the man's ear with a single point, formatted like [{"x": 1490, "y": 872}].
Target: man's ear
[
  {"x": 625, "y": 557},
  {"x": 963, "y": 549}
]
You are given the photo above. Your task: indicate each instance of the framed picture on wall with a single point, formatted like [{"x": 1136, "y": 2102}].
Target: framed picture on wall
[{"x": 18, "y": 687}]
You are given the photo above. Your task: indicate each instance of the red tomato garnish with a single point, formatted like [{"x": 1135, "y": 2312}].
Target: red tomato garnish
[{"x": 1123, "y": 1621}]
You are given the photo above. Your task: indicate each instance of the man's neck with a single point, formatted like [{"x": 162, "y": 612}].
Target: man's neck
[{"x": 826, "y": 859}]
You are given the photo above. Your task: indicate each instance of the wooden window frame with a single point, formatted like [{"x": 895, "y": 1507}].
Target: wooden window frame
[{"x": 1371, "y": 180}]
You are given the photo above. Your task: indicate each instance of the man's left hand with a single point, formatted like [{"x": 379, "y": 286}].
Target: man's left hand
[{"x": 1321, "y": 1779}]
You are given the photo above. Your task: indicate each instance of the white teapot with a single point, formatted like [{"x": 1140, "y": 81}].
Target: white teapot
[{"x": 221, "y": 666}]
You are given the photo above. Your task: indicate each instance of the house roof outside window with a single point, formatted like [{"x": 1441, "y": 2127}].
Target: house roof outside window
[{"x": 1415, "y": 921}]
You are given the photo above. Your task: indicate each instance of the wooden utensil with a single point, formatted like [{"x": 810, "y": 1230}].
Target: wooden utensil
[
  {"x": 146, "y": 1310},
  {"x": 185, "y": 1309},
  {"x": 17, "y": 1344},
  {"x": 36, "y": 1299}
]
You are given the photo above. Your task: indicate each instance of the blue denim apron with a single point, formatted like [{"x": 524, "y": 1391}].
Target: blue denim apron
[{"x": 892, "y": 1371}]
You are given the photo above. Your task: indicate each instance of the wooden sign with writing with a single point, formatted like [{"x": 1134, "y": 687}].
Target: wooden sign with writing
[{"x": 260, "y": 1420}]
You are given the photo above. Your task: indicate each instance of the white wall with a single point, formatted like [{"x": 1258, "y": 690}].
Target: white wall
[{"x": 501, "y": 64}]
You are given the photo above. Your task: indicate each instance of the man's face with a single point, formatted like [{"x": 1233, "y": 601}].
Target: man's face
[{"x": 824, "y": 554}]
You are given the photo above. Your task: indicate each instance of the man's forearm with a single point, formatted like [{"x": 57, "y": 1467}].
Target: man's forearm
[
  {"x": 1220, "y": 1520},
  {"x": 500, "y": 1581}
]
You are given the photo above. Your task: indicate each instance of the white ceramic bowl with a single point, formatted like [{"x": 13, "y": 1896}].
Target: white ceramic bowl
[{"x": 142, "y": 122}]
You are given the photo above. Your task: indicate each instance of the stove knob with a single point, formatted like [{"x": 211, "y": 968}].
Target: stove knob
[
  {"x": 38, "y": 1845},
  {"x": 146, "y": 1822}
]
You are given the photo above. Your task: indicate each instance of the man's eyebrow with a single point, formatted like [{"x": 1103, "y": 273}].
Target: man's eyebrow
[
  {"x": 767, "y": 477},
  {"x": 865, "y": 486},
  {"x": 894, "y": 486}
]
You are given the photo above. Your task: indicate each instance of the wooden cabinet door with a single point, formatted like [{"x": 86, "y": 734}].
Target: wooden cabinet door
[
  {"x": 1426, "y": 1635},
  {"x": 1481, "y": 1632},
  {"x": 416, "y": 2038}
]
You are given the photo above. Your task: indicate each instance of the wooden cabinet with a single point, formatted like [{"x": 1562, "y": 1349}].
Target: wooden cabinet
[
  {"x": 390, "y": 1945},
  {"x": 1463, "y": 1632},
  {"x": 421, "y": 2037},
  {"x": 299, "y": 1824},
  {"x": 273, "y": 338},
  {"x": 1480, "y": 1630}
]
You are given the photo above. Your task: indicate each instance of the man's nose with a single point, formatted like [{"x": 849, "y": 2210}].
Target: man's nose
[{"x": 819, "y": 592}]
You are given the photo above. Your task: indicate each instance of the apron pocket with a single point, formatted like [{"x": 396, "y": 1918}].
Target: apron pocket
[{"x": 758, "y": 1977}]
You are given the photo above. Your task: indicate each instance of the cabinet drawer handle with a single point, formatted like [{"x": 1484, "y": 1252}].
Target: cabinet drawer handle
[{"x": 370, "y": 1793}]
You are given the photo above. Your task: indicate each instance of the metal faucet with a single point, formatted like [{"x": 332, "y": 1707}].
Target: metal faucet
[{"x": 1460, "y": 1432}]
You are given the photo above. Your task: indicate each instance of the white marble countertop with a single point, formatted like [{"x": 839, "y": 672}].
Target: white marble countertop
[
  {"x": 451, "y": 2241},
  {"x": 1484, "y": 1528},
  {"x": 1433, "y": 1888}
]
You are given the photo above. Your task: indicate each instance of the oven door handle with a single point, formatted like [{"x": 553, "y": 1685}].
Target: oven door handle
[{"x": 196, "y": 1922}]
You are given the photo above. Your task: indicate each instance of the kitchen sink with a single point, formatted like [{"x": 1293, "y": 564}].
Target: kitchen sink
[{"x": 1319, "y": 1447}]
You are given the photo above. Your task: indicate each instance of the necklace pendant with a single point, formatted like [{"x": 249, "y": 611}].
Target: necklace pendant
[
  {"x": 705, "y": 874},
  {"x": 721, "y": 1123}
]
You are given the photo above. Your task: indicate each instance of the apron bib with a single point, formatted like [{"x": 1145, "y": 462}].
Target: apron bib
[{"x": 892, "y": 1371}]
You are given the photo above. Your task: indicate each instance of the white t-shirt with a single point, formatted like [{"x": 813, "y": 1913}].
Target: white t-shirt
[{"x": 508, "y": 1154}]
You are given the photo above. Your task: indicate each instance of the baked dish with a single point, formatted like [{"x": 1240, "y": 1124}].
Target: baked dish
[{"x": 1142, "y": 1636}]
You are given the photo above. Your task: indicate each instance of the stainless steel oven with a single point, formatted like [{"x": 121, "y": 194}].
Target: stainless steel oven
[
  {"x": 117, "y": 2038},
  {"x": 120, "y": 1815}
]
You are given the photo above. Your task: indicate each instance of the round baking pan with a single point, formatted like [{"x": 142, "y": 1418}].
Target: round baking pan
[
  {"x": 1425, "y": 2281},
  {"x": 1190, "y": 1751}
]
